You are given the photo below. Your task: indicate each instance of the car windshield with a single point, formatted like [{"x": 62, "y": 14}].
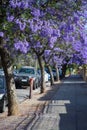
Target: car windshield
[
  {"x": 1, "y": 82},
  {"x": 27, "y": 71},
  {"x": 54, "y": 70}
]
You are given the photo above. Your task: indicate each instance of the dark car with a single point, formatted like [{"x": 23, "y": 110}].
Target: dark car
[
  {"x": 3, "y": 93},
  {"x": 54, "y": 73},
  {"x": 23, "y": 76}
]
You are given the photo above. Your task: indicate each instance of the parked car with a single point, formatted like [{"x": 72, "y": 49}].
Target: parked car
[
  {"x": 15, "y": 71},
  {"x": 60, "y": 73},
  {"x": 1, "y": 72},
  {"x": 54, "y": 73},
  {"x": 23, "y": 76},
  {"x": 46, "y": 77},
  {"x": 3, "y": 92}
]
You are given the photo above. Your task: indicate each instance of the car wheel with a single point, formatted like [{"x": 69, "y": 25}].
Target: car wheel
[
  {"x": 17, "y": 85},
  {"x": 39, "y": 84}
]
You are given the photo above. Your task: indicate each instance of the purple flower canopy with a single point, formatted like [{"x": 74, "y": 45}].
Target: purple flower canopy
[
  {"x": 19, "y": 4},
  {"x": 44, "y": 29}
]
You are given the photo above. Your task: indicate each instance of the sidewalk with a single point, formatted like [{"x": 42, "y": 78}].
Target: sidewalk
[
  {"x": 28, "y": 110},
  {"x": 67, "y": 109}
]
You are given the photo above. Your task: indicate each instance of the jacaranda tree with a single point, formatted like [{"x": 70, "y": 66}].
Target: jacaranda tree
[{"x": 37, "y": 26}]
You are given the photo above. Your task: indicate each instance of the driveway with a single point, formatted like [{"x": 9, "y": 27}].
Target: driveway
[{"x": 68, "y": 108}]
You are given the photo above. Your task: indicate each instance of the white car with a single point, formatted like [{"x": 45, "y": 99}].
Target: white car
[{"x": 46, "y": 77}]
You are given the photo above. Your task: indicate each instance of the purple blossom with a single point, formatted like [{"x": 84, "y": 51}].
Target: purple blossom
[
  {"x": 47, "y": 52},
  {"x": 36, "y": 12},
  {"x": 58, "y": 49},
  {"x": 85, "y": 13},
  {"x": 51, "y": 45},
  {"x": 53, "y": 40},
  {"x": 10, "y": 18},
  {"x": 22, "y": 46},
  {"x": 24, "y": 4},
  {"x": 70, "y": 27},
  {"x": 62, "y": 26},
  {"x": 50, "y": 10},
  {"x": 56, "y": 32},
  {"x": 35, "y": 25},
  {"x": 1, "y": 34},
  {"x": 85, "y": 39},
  {"x": 77, "y": 46},
  {"x": 19, "y": 4},
  {"x": 22, "y": 26},
  {"x": 47, "y": 30},
  {"x": 17, "y": 21},
  {"x": 38, "y": 45},
  {"x": 76, "y": 18},
  {"x": 12, "y": 4}
]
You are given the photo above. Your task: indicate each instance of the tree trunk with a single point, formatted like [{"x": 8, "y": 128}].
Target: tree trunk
[
  {"x": 57, "y": 73},
  {"x": 13, "y": 108},
  {"x": 51, "y": 74},
  {"x": 64, "y": 70},
  {"x": 85, "y": 73},
  {"x": 41, "y": 64}
]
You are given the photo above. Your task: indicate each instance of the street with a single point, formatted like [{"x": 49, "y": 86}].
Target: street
[{"x": 67, "y": 110}]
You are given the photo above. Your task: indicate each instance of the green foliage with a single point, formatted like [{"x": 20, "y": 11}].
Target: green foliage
[
  {"x": 26, "y": 14},
  {"x": 67, "y": 71}
]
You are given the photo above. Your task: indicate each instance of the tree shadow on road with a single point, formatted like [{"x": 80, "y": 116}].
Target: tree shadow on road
[{"x": 65, "y": 100}]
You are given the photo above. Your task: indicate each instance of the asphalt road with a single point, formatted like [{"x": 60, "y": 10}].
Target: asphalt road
[{"x": 67, "y": 109}]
